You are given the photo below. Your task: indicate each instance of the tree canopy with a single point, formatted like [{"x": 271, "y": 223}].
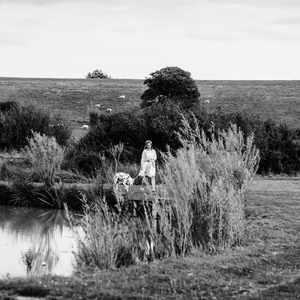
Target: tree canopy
[{"x": 170, "y": 83}]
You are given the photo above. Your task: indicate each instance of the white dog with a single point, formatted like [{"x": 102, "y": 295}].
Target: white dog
[{"x": 122, "y": 180}]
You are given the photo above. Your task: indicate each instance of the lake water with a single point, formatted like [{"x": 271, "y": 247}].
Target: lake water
[{"x": 40, "y": 237}]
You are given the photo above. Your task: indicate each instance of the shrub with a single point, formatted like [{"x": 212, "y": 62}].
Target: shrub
[
  {"x": 86, "y": 162},
  {"x": 171, "y": 83},
  {"x": 206, "y": 181},
  {"x": 163, "y": 121},
  {"x": 45, "y": 157},
  {"x": 105, "y": 242},
  {"x": 16, "y": 127},
  {"x": 205, "y": 184},
  {"x": 128, "y": 128},
  {"x": 131, "y": 129},
  {"x": 60, "y": 130},
  {"x": 8, "y": 106},
  {"x": 97, "y": 74},
  {"x": 278, "y": 151}
]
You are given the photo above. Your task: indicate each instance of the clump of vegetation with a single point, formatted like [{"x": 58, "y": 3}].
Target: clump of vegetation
[
  {"x": 23, "y": 193},
  {"x": 97, "y": 74},
  {"x": 279, "y": 151},
  {"x": 60, "y": 130},
  {"x": 85, "y": 162},
  {"x": 202, "y": 206},
  {"x": 105, "y": 241},
  {"x": 8, "y": 106},
  {"x": 158, "y": 123},
  {"x": 18, "y": 123},
  {"x": 28, "y": 259},
  {"x": 170, "y": 83},
  {"x": 206, "y": 181},
  {"x": 45, "y": 156}
]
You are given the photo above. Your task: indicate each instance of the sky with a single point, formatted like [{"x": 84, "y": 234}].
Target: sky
[{"x": 212, "y": 39}]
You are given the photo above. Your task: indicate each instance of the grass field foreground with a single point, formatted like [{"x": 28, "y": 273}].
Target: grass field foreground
[{"x": 267, "y": 266}]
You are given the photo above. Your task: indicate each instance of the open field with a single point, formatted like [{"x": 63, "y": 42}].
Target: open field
[
  {"x": 267, "y": 266},
  {"x": 279, "y": 100}
]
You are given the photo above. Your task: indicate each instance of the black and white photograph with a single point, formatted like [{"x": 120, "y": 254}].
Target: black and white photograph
[{"x": 149, "y": 149}]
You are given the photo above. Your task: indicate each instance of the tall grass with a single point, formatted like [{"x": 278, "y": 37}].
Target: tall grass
[
  {"x": 207, "y": 180},
  {"x": 200, "y": 206},
  {"x": 45, "y": 156},
  {"x": 105, "y": 240}
]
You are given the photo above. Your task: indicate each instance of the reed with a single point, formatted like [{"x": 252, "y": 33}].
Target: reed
[
  {"x": 45, "y": 156},
  {"x": 206, "y": 180}
]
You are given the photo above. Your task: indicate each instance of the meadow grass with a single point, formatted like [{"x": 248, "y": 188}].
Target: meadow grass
[{"x": 72, "y": 98}]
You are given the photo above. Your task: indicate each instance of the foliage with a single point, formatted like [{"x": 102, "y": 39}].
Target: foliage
[
  {"x": 128, "y": 128},
  {"x": 60, "y": 130},
  {"x": 172, "y": 83},
  {"x": 206, "y": 181},
  {"x": 97, "y": 74},
  {"x": 105, "y": 242},
  {"x": 163, "y": 121},
  {"x": 8, "y": 106},
  {"x": 131, "y": 129},
  {"x": 23, "y": 193},
  {"x": 86, "y": 162},
  {"x": 17, "y": 125},
  {"x": 279, "y": 151},
  {"x": 45, "y": 156}
]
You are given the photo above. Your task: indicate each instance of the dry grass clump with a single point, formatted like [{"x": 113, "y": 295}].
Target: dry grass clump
[
  {"x": 45, "y": 156},
  {"x": 201, "y": 205},
  {"x": 206, "y": 181},
  {"x": 105, "y": 240}
]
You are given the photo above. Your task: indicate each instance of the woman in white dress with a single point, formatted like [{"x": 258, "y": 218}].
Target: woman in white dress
[{"x": 148, "y": 163}]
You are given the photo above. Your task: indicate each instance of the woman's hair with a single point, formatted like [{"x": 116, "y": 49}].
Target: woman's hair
[{"x": 147, "y": 143}]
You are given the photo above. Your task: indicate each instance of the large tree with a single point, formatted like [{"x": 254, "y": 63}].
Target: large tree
[{"x": 170, "y": 83}]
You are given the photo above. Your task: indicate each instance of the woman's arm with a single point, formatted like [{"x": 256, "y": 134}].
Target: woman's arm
[
  {"x": 143, "y": 157},
  {"x": 155, "y": 155}
]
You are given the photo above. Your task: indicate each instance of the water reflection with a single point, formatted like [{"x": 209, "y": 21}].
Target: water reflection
[{"x": 35, "y": 242}]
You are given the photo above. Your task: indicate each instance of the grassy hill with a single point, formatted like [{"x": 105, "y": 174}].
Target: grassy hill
[{"x": 72, "y": 98}]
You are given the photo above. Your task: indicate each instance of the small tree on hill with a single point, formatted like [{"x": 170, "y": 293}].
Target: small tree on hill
[
  {"x": 171, "y": 83},
  {"x": 97, "y": 74}
]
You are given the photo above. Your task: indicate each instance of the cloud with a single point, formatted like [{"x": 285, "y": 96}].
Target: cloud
[
  {"x": 130, "y": 38},
  {"x": 213, "y": 37},
  {"x": 7, "y": 41},
  {"x": 271, "y": 34},
  {"x": 260, "y": 3},
  {"x": 288, "y": 21}
]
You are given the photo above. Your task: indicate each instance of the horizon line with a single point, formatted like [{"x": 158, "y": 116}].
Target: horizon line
[{"x": 124, "y": 78}]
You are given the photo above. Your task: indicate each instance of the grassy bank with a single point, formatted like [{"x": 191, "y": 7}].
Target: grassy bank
[
  {"x": 267, "y": 266},
  {"x": 278, "y": 100}
]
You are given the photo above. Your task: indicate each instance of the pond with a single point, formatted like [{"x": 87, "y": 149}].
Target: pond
[{"x": 35, "y": 242}]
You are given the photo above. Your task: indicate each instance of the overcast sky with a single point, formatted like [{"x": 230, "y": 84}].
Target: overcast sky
[{"x": 213, "y": 39}]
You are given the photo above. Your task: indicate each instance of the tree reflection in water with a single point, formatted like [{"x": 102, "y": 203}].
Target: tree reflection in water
[{"x": 42, "y": 228}]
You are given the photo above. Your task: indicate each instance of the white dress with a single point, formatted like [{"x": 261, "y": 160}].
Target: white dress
[{"x": 148, "y": 163}]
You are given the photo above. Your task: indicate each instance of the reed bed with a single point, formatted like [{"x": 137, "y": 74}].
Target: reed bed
[{"x": 203, "y": 207}]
